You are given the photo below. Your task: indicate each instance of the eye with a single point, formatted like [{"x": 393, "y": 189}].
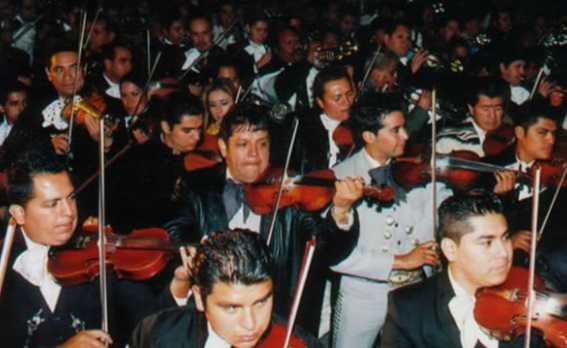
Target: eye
[{"x": 230, "y": 309}]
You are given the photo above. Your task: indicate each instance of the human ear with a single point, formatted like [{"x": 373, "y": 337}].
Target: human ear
[
  {"x": 223, "y": 148},
  {"x": 18, "y": 212},
  {"x": 449, "y": 248}
]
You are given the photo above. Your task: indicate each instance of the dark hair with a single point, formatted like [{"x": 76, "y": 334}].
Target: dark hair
[
  {"x": 20, "y": 173},
  {"x": 136, "y": 78},
  {"x": 489, "y": 87},
  {"x": 393, "y": 25},
  {"x": 108, "y": 51},
  {"x": 12, "y": 88},
  {"x": 244, "y": 117},
  {"x": 370, "y": 118},
  {"x": 231, "y": 257},
  {"x": 532, "y": 113},
  {"x": 255, "y": 17},
  {"x": 328, "y": 74},
  {"x": 56, "y": 48},
  {"x": 200, "y": 14},
  {"x": 456, "y": 211},
  {"x": 180, "y": 104},
  {"x": 168, "y": 18}
]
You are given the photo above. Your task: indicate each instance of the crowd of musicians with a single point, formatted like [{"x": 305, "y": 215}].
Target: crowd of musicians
[{"x": 191, "y": 110}]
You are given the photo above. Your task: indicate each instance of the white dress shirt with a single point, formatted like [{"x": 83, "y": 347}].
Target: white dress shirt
[
  {"x": 214, "y": 340},
  {"x": 330, "y": 125},
  {"x": 5, "y": 129},
  {"x": 252, "y": 223},
  {"x": 32, "y": 265},
  {"x": 519, "y": 94},
  {"x": 114, "y": 89},
  {"x": 462, "y": 308}
]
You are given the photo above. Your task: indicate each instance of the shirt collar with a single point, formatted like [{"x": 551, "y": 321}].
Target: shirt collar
[
  {"x": 329, "y": 123},
  {"x": 460, "y": 293},
  {"x": 481, "y": 132},
  {"x": 374, "y": 163},
  {"x": 112, "y": 84},
  {"x": 214, "y": 340}
]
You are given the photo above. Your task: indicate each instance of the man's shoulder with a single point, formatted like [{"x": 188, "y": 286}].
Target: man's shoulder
[
  {"x": 464, "y": 131},
  {"x": 205, "y": 178},
  {"x": 412, "y": 296}
]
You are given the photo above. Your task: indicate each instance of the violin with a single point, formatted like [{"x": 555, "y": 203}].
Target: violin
[
  {"x": 93, "y": 105},
  {"x": 137, "y": 256},
  {"x": 551, "y": 172},
  {"x": 344, "y": 139},
  {"x": 460, "y": 170},
  {"x": 311, "y": 192},
  {"x": 502, "y": 310},
  {"x": 164, "y": 87},
  {"x": 207, "y": 154},
  {"x": 498, "y": 140},
  {"x": 276, "y": 338}
]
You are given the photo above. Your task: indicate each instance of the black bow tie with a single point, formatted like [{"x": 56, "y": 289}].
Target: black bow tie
[
  {"x": 382, "y": 176},
  {"x": 233, "y": 198}
]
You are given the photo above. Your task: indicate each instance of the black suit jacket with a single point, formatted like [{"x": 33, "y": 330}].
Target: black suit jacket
[
  {"x": 201, "y": 211},
  {"x": 419, "y": 316},
  {"x": 27, "y": 321}
]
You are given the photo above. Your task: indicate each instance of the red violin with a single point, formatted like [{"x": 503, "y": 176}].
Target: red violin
[
  {"x": 312, "y": 192},
  {"x": 137, "y": 256},
  {"x": 502, "y": 310},
  {"x": 205, "y": 155},
  {"x": 276, "y": 338}
]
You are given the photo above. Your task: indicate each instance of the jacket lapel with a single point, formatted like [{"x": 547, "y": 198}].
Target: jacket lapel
[{"x": 444, "y": 318}]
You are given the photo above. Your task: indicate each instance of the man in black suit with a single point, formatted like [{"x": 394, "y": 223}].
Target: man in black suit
[
  {"x": 439, "y": 311},
  {"x": 35, "y": 309},
  {"x": 213, "y": 199},
  {"x": 233, "y": 289}
]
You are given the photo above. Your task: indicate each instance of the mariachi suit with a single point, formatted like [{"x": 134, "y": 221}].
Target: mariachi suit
[
  {"x": 202, "y": 211},
  {"x": 384, "y": 233},
  {"x": 27, "y": 321},
  {"x": 185, "y": 327},
  {"x": 419, "y": 316}
]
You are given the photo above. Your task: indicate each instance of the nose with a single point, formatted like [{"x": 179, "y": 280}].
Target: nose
[
  {"x": 67, "y": 207},
  {"x": 248, "y": 321},
  {"x": 501, "y": 248},
  {"x": 404, "y": 134}
]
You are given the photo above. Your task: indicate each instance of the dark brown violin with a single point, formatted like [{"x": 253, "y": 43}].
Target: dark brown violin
[
  {"x": 498, "y": 140},
  {"x": 137, "y": 256},
  {"x": 551, "y": 172},
  {"x": 312, "y": 192},
  {"x": 93, "y": 105},
  {"x": 344, "y": 139},
  {"x": 502, "y": 310},
  {"x": 460, "y": 170}
]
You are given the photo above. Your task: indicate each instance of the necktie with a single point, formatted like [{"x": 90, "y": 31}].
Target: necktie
[{"x": 233, "y": 198}]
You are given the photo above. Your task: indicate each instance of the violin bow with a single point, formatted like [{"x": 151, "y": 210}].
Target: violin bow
[
  {"x": 101, "y": 230},
  {"x": 533, "y": 244},
  {"x": 536, "y": 83},
  {"x": 284, "y": 177},
  {"x": 126, "y": 147},
  {"x": 552, "y": 204},
  {"x": 97, "y": 14},
  {"x": 368, "y": 70},
  {"x": 6, "y": 248},
  {"x": 76, "y": 82},
  {"x": 305, "y": 266},
  {"x": 434, "y": 163}
]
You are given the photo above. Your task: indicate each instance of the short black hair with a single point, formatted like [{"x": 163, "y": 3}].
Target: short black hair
[
  {"x": 244, "y": 117},
  {"x": 532, "y": 113},
  {"x": 58, "y": 47},
  {"x": 392, "y": 26},
  {"x": 456, "y": 211},
  {"x": 108, "y": 51},
  {"x": 328, "y": 74},
  {"x": 370, "y": 118},
  {"x": 11, "y": 88},
  {"x": 20, "y": 173},
  {"x": 489, "y": 87},
  {"x": 180, "y": 104},
  {"x": 231, "y": 257}
]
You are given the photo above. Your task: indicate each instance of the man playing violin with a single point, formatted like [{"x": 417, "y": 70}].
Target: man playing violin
[
  {"x": 212, "y": 199},
  {"x": 438, "y": 312},
  {"x": 142, "y": 183},
  {"x": 35, "y": 310},
  {"x": 395, "y": 240},
  {"x": 535, "y": 133},
  {"x": 486, "y": 108},
  {"x": 233, "y": 289}
]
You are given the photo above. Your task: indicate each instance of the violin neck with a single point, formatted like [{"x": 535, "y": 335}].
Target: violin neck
[{"x": 147, "y": 244}]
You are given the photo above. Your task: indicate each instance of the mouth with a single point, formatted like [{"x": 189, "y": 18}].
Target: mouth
[{"x": 249, "y": 338}]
